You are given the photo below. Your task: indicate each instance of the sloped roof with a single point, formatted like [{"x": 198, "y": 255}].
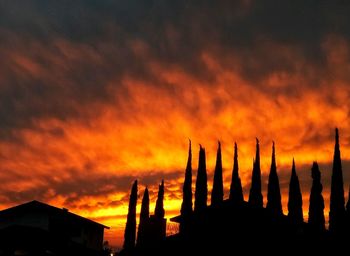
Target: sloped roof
[{"x": 39, "y": 206}]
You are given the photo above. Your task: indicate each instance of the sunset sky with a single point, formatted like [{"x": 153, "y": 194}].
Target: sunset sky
[{"x": 97, "y": 93}]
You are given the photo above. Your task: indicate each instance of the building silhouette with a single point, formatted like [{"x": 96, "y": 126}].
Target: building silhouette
[
  {"x": 229, "y": 225},
  {"x": 35, "y": 228}
]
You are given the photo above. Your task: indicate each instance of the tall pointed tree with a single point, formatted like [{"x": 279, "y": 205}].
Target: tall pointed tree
[
  {"x": 236, "y": 191},
  {"x": 130, "y": 228},
  {"x": 186, "y": 206},
  {"x": 159, "y": 209},
  {"x": 201, "y": 193},
  {"x": 274, "y": 204},
  {"x": 295, "y": 200},
  {"x": 316, "y": 207},
  {"x": 255, "y": 196},
  {"x": 217, "y": 195},
  {"x": 144, "y": 219},
  {"x": 337, "y": 201}
]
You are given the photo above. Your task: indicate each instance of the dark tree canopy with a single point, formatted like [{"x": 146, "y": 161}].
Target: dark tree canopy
[
  {"x": 255, "y": 196},
  {"x": 337, "y": 201},
  {"x": 130, "y": 228},
  {"x": 274, "y": 204},
  {"x": 217, "y": 194},
  {"x": 236, "y": 191},
  {"x": 316, "y": 207},
  {"x": 186, "y": 206},
  {"x": 201, "y": 192},
  {"x": 144, "y": 219},
  {"x": 295, "y": 199},
  {"x": 159, "y": 209}
]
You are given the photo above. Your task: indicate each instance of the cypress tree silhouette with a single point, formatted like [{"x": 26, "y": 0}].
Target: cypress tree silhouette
[
  {"x": 236, "y": 191},
  {"x": 316, "y": 207},
  {"x": 255, "y": 196},
  {"x": 156, "y": 230},
  {"x": 159, "y": 209},
  {"x": 274, "y": 204},
  {"x": 217, "y": 194},
  {"x": 337, "y": 201},
  {"x": 130, "y": 228},
  {"x": 295, "y": 200},
  {"x": 144, "y": 220},
  {"x": 186, "y": 206},
  {"x": 201, "y": 192}
]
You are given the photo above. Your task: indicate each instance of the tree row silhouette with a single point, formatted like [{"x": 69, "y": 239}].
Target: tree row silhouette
[{"x": 209, "y": 223}]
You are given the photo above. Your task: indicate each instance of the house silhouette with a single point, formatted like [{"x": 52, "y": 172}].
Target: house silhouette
[{"x": 36, "y": 228}]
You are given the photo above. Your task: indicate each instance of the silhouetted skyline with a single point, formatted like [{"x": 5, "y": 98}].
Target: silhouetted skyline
[
  {"x": 225, "y": 220},
  {"x": 96, "y": 94}
]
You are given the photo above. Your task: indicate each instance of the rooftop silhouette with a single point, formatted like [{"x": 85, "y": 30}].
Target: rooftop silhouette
[{"x": 36, "y": 228}]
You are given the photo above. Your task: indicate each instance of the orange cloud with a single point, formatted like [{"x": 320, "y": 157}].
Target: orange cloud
[{"x": 82, "y": 126}]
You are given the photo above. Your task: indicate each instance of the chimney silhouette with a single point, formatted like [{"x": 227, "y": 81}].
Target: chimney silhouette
[
  {"x": 295, "y": 199},
  {"x": 130, "y": 228},
  {"x": 236, "y": 191},
  {"x": 255, "y": 196},
  {"x": 144, "y": 220},
  {"x": 201, "y": 192},
  {"x": 316, "y": 207},
  {"x": 337, "y": 201},
  {"x": 274, "y": 204},
  {"x": 217, "y": 194}
]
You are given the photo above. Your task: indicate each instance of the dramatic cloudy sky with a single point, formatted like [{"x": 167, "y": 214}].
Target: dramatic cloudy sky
[{"x": 94, "y": 94}]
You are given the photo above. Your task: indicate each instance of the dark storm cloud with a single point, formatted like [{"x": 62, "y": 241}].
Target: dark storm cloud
[
  {"x": 100, "y": 37},
  {"x": 177, "y": 31}
]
